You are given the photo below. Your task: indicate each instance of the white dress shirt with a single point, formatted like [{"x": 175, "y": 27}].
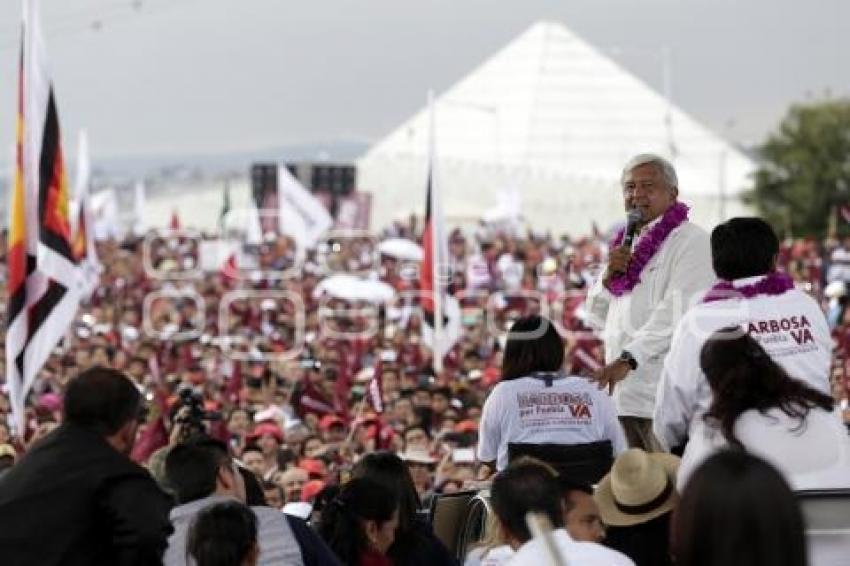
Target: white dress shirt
[
  {"x": 791, "y": 327},
  {"x": 642, "y": 321}
]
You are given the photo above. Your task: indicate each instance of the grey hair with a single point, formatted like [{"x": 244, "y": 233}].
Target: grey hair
[{"x": 662, "y": 165}]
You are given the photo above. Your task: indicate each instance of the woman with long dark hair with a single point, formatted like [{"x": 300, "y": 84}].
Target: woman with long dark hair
[
  {"x": 415, "y": 543},
  {"x": 359, "y": 524},
  {"x": 756, "y": 406},
  {"x": 738, "y": 510}
]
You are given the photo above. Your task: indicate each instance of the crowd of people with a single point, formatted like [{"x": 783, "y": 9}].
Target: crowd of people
[
  {"x": 165, "y": 330},
  {"x": 264, "y": 390}
]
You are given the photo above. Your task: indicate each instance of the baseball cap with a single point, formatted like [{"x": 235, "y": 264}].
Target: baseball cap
[{"x": 330, "y": 420}]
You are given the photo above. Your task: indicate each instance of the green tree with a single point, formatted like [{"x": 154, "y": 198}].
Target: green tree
[{"x": 805, "y": 168}]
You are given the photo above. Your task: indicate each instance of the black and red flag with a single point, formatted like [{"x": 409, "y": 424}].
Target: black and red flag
[
  {"x": 43, "y": 281},
  {"x": 441, "y": 313}
]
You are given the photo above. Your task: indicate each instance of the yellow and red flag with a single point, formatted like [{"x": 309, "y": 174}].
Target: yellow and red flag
[{"x": 43, "y": 279}]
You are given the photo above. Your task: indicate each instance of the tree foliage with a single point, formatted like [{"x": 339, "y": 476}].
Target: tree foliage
[{"x": 804, "y": 175}]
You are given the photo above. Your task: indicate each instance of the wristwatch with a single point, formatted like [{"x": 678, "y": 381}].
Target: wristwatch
[{"x": 627, "y": 357}]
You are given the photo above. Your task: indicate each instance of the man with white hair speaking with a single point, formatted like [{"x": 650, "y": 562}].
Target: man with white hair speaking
[{"x": 656, "y": 265}]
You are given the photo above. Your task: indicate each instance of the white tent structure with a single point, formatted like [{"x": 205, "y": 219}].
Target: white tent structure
[{"x": 554, "y": 119}]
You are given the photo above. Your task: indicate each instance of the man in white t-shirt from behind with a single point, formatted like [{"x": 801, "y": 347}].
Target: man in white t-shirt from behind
[
  {"x": 582, "y": 521},
  {"x": 787, "y": 323},
  {"x": 528, "y": 486},
  {"x": 536, "y": 403}
]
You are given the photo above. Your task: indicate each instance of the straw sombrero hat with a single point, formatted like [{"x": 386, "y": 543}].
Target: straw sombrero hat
[{"x": 640, "y": 487}]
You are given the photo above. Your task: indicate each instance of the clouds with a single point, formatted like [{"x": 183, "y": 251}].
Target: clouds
[{"x": 221, "y": 75}]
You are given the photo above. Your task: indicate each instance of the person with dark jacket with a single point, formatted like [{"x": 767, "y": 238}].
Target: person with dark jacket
[
  {"x": 314, "y": 551},
  {"x": 360, "y": 523},
  {"x": 76, "y": 498}
]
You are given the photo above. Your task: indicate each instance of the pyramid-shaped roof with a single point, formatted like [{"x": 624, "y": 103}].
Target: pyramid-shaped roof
[{"x": 551, "y": 105}]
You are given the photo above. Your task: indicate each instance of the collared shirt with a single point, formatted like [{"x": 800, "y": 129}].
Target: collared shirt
[
  {"x": 642, "y": 321},
  {"x": 534, "y": 553},
  {"x": 791, "y": 328}
]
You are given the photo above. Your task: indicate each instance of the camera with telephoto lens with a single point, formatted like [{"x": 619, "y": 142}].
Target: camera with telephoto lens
[{"x": 192, "y": 420}]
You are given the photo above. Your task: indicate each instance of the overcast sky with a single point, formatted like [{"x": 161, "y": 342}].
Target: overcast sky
[{"x": 181, "y": 76}]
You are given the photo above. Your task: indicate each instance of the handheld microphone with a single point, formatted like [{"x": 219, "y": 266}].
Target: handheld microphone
[{"x": 633, "y": 218}]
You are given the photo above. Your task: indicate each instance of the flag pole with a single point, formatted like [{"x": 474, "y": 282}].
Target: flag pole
[
  {"x": 436, "y": 238},
  {"x": 82, "y": 179},
  {"x": 42, "y": 272}
]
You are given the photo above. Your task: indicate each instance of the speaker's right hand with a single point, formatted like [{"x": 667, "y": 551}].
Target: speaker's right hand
[{"x": 618, "y": 262}]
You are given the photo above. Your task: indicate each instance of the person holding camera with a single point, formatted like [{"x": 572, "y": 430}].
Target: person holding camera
[{"x": 190, "y": 416}]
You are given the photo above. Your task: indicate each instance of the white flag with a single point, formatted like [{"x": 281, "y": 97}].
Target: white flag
[
  {"x": 82, "y": 222},
  {"x": 42, "y": 272},
  {"x": 140, "y": 224},
  {"x": 302, "y": 215}
]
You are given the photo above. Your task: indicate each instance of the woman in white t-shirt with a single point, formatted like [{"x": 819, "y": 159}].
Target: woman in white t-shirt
[
  {"x": 536, "y": 403},
  {"x": 758, "y": 407}
]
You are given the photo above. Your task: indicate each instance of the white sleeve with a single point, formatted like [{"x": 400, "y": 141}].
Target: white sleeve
[
  {"x": 690, "y": 273},
  {"x": 678, "y": 388},
  {"x": 623, "y": 560},
  {"x": 596, "y": 304},
  {"x": 490, "y": 430},
  {"x": 823, "y": 338}
]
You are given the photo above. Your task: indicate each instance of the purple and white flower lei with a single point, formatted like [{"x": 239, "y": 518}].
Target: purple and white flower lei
[
  {"x": 773, "y": 284},
  {"x": 646, "y": 248}
]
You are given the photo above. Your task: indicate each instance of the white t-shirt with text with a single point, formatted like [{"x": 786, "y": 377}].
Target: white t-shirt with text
[
  {"x": 525, "y": 410},
  {"x": 790, "y": 327}
]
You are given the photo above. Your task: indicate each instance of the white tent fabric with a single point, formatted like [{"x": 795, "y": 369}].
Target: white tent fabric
[{"x": 556, "y": 119}]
